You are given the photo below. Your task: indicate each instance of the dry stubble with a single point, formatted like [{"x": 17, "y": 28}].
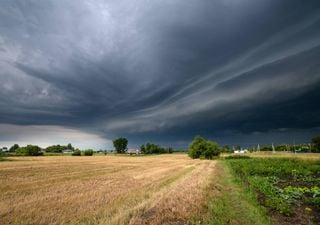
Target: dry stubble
[{"x": 102, "y": 189}]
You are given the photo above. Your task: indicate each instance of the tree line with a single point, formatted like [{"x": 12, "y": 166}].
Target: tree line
[
  {"x": 121, "y": 146},
  {"x": 198, "y": 148},
  {"x": 312, "y": 147}
]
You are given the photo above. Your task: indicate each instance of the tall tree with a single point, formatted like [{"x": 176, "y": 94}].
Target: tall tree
[
  {"x": 14, "y": 148},
  {"x": 201, "y": 147},
  {"x": 316, "y": 142},
  {"x": 120, "y": 144},
  {"x": 70, "y": 146}
]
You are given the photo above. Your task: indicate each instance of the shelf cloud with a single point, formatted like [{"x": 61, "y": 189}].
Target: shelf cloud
[{"x": 160, "y": 71}]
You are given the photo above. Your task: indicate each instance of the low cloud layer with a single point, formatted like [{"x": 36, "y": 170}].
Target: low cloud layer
[{"x": 161, "y": 71}]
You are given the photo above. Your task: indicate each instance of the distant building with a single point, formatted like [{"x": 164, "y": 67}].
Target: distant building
[
  {"x": 5, "y": 149},
  {"x": 134, "y": 151},
  {"x": 67, "y": 151},
  {"x": 241, "y": 151}
]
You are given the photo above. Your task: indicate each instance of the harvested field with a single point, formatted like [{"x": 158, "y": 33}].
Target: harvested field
[{"x": 166, "y": 189}]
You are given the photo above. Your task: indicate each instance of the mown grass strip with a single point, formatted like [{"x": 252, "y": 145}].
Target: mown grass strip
[{"x": 229, "y": 203}]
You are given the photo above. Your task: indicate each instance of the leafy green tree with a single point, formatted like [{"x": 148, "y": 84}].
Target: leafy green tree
[
  {"x": 88, "y": 152},
  {"x": 226, "y": 148},
  {"x": 76, "y": 152},
  {"x": 69, "y": 146},
  {"x": 197, "y": 147},
  {"x": 120, "y": 144},
  {"x": 281, "y": 147},
  {"x": 29, "y": 150},
  {"x": 266, "y": 148},
  {"x": 316, "y": 143},
  {"x": 14, "y": 147},
  {"x": 150, "y": 148},
  {"x": 200, "y": 147},
  {"x": 56, "y": 148},
  {"x": 143, "y": 148}
]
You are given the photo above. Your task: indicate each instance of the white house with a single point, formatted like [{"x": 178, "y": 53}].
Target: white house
[
  {"x": 67, "y": 151},
  {"x": 134, "y": 151},
  {"x": 242, "y": 151}
]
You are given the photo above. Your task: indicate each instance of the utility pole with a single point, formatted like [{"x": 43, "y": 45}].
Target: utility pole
[{"x": 273, "y": 149}]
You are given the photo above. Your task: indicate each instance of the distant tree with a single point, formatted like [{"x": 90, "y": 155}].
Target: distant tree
[
  {"x": 143, "y": 148},
  {"x": 200, "y": 147},
  {"x": 58, "y": 148},
  {"x": 13, "y": 148},
  {"x": 76, "y": 152},
  {"x": 281, "y": 147},
  {"x": 29, "y": 150},
  {"x": 226, "y": 148},
  {"x": 88, "y": 152},
  {"x": 266, "y": 148},
  {"x": 69, "y": 146},
  {"x": 151, "y": 148},
  {"x": 120, "y": 144},
  {"x": 316, "y": 143}
]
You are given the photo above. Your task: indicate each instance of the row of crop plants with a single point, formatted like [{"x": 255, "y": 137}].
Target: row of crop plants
[{"x": 289, "y": 188}]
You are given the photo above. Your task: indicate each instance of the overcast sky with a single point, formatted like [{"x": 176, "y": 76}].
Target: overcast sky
[{"x": 235, "y": 71}]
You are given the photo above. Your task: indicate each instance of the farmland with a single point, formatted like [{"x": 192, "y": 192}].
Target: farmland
[
  {"x": 159, "y": 189},
  {"x": 287, "y": 187},
  {"x": 102, "y": 189}
]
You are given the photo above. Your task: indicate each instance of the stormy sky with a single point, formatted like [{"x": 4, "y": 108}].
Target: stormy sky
[{"x": 235, "y": 71}]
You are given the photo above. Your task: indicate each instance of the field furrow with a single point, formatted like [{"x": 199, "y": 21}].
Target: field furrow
[{"x": 101, "y": 190}]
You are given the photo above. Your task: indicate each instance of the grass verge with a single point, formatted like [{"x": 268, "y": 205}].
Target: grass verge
[{"x": 229, "y": 203}]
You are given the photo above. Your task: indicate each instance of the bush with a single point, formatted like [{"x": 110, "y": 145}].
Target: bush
[
  {"x": 29, "y": 150},
  {"x": 59, "y": 148},
  {"x": 76, "y": 153},
  {"x": 14, "y": 148},
  {"x": 88, "y": 152},
  {"x": 200, "y": 148}
]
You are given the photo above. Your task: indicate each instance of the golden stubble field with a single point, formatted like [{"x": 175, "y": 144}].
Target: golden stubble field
[{"x": 166, "y": 189}]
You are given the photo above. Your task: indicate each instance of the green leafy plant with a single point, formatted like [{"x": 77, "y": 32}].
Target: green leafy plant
[
  {"x": 88, "y": 152},
  {"x": 29, "y": 150},
  {"x": 76, "y": 152}
]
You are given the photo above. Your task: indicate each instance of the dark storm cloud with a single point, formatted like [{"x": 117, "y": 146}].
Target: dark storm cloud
[{"x": 164, "y": 70}]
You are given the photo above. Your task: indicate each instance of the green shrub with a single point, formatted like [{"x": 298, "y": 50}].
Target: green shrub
[
  {"x": 200, "y": 148},
  {"x": 29, "y": 150},
  {"x": 76, "y": 153},
  {"x": 316, "y": 202},
  {"x": 88, "y": 152}
]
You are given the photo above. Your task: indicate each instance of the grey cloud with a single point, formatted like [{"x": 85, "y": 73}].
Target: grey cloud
[{"x": 140, "y": 68}]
